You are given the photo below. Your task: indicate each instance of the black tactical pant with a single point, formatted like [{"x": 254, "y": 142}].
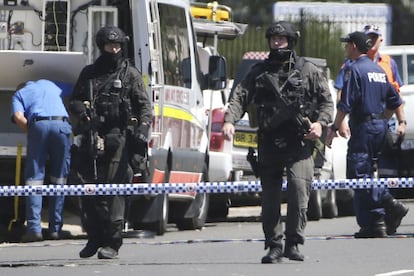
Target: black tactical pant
[
  {"x": 299, "y": 174},
  {"x": 103, "y": 216}
]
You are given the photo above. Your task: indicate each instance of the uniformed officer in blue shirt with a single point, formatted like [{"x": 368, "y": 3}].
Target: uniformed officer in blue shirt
[
  {"x": 388, "y": 162},
  {"x": 368, "y": 98},
  {"x": 339, "y": 81},
  {"x": 38, "y": 109}
]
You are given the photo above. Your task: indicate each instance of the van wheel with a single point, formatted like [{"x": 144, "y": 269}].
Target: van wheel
[
  {"x": 196, "y": 214},
  {"x": 315, "y": 205},
  {"x": 160, "y": 226},
  {"x": 150, "y": 214}
]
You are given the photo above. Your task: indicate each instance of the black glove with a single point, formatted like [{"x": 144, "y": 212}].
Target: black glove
[
  {"x": 141, "y": 133},
  {"x": 77, "y": 108}
]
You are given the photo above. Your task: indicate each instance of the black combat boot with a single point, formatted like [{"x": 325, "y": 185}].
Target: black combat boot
[
  {"x": 373, "y": 231},
  {"x": 107, "y": 253},
  {"x": 394, "y": 213},
  {"x": 89, "y": 250},
  {"x": 292, "y": 252},
  {"x": 274, "y": 255}
]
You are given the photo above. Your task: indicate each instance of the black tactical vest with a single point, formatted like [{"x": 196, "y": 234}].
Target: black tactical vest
[
  {"x": 280, "y": 102},
  {"x": 111, "y": 101}
]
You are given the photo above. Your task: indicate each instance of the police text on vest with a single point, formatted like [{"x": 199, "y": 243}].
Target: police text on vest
[{"x": 377, "y": 77}]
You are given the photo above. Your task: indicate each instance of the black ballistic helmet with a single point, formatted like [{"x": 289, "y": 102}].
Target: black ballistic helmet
[
  {"x": 284, "y": 28},
  {"x": 109, "y": 34}
]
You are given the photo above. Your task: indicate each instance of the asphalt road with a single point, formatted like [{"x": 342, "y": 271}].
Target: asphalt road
[{"x": 222, "y": 248}]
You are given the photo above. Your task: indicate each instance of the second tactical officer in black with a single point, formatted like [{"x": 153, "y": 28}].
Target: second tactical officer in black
[
  {"x": 113, "y": 110},
  {"x": 284, "y": 91}
]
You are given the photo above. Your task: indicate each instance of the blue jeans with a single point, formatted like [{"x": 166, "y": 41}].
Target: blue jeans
[{"x": 47, "y": 140}]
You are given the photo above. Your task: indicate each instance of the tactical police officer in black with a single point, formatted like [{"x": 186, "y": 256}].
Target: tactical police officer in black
[
  {"x": 113, "y": 115},
  {"x": 289, "y": 99}
]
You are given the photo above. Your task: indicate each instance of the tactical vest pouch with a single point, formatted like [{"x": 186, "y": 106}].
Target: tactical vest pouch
[
  {"x": 271, "y": 117},
  {"x": 125, "y": 110},
  {"x": 107, "y": 105}
]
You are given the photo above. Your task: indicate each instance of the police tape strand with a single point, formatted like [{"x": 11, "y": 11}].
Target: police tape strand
[{"x": 202, "y": 187}]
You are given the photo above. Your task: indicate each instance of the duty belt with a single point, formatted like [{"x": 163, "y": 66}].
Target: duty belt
[
  {"x": 367, "y": 118},
  {"x": 50, "y": 118}
]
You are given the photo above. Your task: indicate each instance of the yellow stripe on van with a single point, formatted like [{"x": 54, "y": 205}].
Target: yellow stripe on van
[{"x": 177, "y": 113}]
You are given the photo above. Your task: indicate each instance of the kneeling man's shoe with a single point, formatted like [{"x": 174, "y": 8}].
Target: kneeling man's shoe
[
  {"x": 107, "y": 253},
  {"x": 292, "y": 252},
  {"x": 394, "y": 215},
  {"x": 377, "y": 231},
  {"x": 32, "y": 237},
  {"x": 274, "y": 255},
  {"x": 54, "y": 236}
]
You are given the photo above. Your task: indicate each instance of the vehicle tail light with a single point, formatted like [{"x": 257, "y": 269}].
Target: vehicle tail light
[
  {"x": 216, "y": 137},
  {"x": 216, "y": 141}
]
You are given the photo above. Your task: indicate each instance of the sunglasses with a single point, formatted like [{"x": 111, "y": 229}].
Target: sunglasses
[{"x": 374, "y": 28}]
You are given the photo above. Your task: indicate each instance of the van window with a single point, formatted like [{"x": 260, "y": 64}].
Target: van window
[
  {"x": 410, "y": 64},
  {"x": 410, "y": 67},
  {"x": 399, "y": 61},
  {"x": 175, "y": 45}
]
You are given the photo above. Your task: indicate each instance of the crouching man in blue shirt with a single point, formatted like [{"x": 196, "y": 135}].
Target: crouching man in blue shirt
[{"x": 38, "y": 109}]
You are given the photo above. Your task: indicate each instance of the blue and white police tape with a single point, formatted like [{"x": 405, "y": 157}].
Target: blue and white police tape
[{"x": 202, "y": 187}]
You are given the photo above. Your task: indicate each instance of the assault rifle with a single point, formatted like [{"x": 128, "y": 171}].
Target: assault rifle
[
  {"x": 293, "y": 110},
  {"x": 93, "y": 133}
]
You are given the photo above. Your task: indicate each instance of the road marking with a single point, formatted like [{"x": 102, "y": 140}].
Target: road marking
[{"x": 398, "y": 272}]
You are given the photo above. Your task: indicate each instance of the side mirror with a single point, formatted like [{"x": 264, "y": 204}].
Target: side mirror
[{"x": 217, "y": 73}]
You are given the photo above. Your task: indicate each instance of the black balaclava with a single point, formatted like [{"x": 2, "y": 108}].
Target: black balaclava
[
  {"x": 110, "y": 61},
  {"x": 280, "y": 55}
]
